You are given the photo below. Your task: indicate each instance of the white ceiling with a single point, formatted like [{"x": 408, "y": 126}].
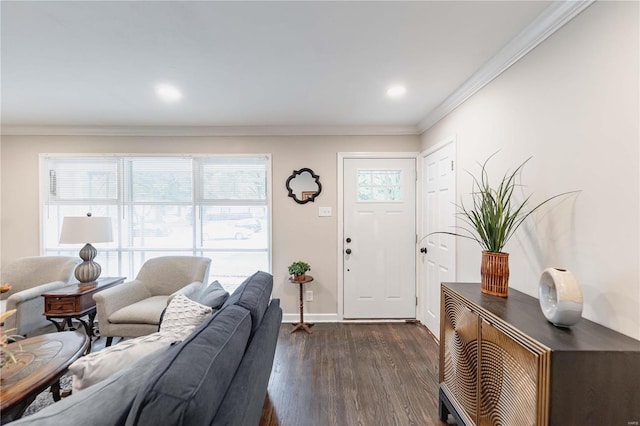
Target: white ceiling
[{"x": 315, "y": 64}]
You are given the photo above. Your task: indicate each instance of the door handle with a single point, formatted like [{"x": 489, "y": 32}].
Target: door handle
[
  {"x": 348, "y": 251},
  {"x": 423, "y": 250}
]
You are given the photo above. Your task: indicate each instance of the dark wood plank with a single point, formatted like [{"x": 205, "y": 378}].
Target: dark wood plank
[{"x": 354, "y": 374}]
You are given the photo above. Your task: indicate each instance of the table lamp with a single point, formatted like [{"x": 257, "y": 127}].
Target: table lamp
[{"x": 86, "y": 229}]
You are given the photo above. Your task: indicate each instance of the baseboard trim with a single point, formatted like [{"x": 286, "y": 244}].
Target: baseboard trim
[
  {"x": 328, "y": 318},
  {"x": 313, "y": 318}
]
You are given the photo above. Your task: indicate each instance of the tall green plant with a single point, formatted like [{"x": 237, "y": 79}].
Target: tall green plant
[{"x": 495, "y": 215}]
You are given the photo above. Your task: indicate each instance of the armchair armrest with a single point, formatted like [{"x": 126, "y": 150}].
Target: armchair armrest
[
  {"x": 32, "y": 293},
  {"x": 189, "y": 290},
  {"x": 110, "y": 300},
  {"x": 29, "y": 305}
]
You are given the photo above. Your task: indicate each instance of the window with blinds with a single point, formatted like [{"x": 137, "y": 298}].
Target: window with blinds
[{"x": 213, "y": 206}]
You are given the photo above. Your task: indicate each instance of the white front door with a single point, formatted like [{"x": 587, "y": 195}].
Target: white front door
[
  {"x": 438, "y": 251},
  {"x": 379, "y": 238}
]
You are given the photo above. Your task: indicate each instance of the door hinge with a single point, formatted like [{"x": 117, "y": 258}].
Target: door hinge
[
  {"x": 416, "y": 300},
  {"x": 451, "y": 165}
]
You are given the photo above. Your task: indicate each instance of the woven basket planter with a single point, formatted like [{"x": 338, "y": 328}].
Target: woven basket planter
[{"x": 494, "y": 271}]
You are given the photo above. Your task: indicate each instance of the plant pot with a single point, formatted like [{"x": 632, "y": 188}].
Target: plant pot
[
  {"x": 300, "y": 278},
  {"x": 494, "y": 271}
]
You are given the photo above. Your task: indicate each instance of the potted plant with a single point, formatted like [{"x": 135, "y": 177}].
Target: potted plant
[
  {"x": 491, "y": 222},
  {"x": 298, "y": 270}
]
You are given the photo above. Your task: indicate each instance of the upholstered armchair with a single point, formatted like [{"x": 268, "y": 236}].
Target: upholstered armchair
[
  {"x": 29, "y": 278},
  {"x": 133, "y": 309}
]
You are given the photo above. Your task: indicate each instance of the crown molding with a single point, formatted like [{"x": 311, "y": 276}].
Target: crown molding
[
  {"x": 208, "y": 131},
  {"x": 548, "y": 22}
]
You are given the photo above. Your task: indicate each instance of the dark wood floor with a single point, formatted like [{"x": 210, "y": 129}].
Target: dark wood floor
[{"x": 354, "y": 374}]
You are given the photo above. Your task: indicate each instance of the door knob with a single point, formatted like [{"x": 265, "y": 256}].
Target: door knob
[
  {"x": 423, "y": 250},
  {"x": 348, "y": 240},
  {"x": 348, "y": 251}
]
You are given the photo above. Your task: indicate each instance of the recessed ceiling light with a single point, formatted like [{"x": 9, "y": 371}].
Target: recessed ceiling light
[
  {"x": 168, "y": 92},
  {"x": 396, "y": 91}
]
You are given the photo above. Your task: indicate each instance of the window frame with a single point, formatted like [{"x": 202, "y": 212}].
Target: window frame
[{"x": 124, "y": 205}]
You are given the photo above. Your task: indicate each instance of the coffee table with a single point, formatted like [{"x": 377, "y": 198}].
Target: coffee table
[
  {"x": 76, "y": 302},
  {"x": 42, "y": 360}
]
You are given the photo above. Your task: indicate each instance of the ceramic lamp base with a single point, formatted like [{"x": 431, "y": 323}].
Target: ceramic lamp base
[{"x": 88, "y": 271}]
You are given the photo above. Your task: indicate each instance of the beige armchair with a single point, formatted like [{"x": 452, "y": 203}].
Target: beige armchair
[
  {"x": 29, "y": 277},
  {"x": 133, "y": 309}
]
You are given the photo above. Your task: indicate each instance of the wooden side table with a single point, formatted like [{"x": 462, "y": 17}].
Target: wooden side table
[
  {"x": 41, "y": 362},
  {"x": 75, "y": 302},
  {"x": 302, "y": 325}
]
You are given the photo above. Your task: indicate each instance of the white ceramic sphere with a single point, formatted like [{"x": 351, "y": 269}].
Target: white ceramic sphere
[{"x": 560, "y": 297}]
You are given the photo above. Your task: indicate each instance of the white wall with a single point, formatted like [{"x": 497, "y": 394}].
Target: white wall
[
  {"x": 298, "y": 232},
  {"x": 572, "y": 104}
]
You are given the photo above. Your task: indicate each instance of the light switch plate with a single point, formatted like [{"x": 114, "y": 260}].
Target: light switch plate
[{"x": 324, "y": 211}]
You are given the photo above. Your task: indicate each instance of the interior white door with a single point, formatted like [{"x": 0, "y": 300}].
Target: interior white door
[
  {"x": 379, "y": 238},
  {"x": 438, "y": 251}
]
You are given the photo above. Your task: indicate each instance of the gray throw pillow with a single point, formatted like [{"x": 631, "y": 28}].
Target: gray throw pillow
[
  {"x": 214, "y": 295},
  {"x": 254, "y": 295}
]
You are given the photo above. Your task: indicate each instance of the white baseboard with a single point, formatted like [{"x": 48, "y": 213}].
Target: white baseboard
[
  {"x": 312, "y": 318},
  {"x": 320, "y": 318}
]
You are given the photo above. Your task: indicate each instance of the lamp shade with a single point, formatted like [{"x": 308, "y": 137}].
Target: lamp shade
[{"x": 86, "y": 229}]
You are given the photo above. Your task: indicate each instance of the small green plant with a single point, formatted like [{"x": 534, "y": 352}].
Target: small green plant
[
  {"x": 299, "y": 268},
  {"x": 495, "y": 215}
]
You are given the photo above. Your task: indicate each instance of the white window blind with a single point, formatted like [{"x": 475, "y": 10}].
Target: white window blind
[
  {"x": 159, "y": 179},
  {"x": 73, "y": 179},
  {"x": 233, "y": 179}
]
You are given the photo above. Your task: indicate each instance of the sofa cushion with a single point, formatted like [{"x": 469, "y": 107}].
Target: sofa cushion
[
  {"x": 104, "y": 404},
  {"x": 242, "y": 404},
  {"x": 188, "y": 386},
  {"x": 253, "y": 295},
  {"x": 95, "y": 367},
  {"x": 146, "y": 311},
  {"x": 213, "y": 295},
  {"x": 183, "y": 315}
]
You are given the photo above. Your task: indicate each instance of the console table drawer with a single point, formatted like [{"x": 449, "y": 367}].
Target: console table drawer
[{"x": 59, "y": 305}]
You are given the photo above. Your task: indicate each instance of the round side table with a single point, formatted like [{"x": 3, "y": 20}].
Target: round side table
[{"x": 302, "y": 325}]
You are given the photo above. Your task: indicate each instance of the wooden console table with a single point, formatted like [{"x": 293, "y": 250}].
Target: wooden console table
[
  {"x": 302, "y": 325},
  {"x": 75, "y": 301},
  {"x": 41, "y": 362},
  {"x": 502, "y": 362}
]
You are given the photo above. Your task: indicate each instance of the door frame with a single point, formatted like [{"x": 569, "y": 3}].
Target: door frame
[
  {"x": 340, "y": 216},
  {"x": 452, "y": 139}
]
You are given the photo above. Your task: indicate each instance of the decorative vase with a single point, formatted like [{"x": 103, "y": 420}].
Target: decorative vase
[
  {"x": 560, "y": 297},
  {"x": 494, "y": 271}
]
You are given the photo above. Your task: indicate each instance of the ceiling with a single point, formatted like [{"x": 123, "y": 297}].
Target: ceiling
[{"x": 244, "y": 64}]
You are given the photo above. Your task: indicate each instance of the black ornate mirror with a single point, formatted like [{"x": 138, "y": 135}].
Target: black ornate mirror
[{"x": 304, "y": 186}]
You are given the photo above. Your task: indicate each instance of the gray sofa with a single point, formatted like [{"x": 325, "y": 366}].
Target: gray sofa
[{"x": 216, "y": 376}]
